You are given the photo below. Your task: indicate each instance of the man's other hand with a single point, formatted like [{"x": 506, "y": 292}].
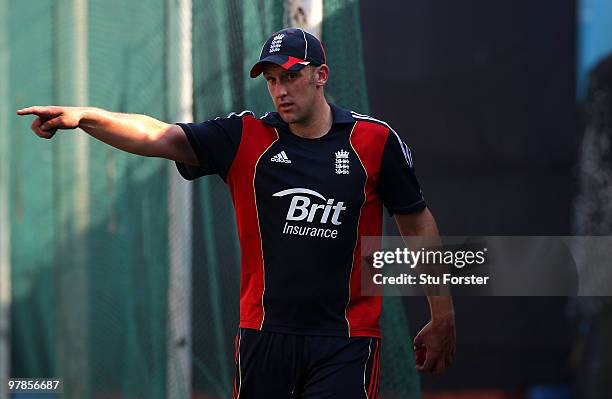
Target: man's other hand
[{"x": 436, "y": 343}]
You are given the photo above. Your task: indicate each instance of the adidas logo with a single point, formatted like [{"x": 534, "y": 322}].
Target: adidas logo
[{"x": 281, "y": 157}]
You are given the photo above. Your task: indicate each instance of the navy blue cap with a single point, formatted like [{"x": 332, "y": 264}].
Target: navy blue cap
[{"x": 292, "y": 49}]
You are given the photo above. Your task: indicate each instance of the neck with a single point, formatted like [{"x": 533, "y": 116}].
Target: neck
[{"x": 317, "y": 125}]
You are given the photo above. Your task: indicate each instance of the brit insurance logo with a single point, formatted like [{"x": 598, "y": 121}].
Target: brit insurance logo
[
  {"x": 311, "y": 214},
  {"x": 342, "y": 162},
  {"x": 276, "y": 43}
]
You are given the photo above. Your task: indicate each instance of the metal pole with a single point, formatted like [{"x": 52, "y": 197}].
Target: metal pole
[
  {"x": 73, "y": 305},
  {"x": 305, "y": 14},
  {"x": 81, "y": 97},
  {"x": 180, "y": 86},
  {"x": 81, "y": 205}
]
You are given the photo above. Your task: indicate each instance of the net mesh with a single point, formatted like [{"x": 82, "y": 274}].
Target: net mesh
[
  {"x": 89, "y": 302},
  {"x": 90, "y": 258}
]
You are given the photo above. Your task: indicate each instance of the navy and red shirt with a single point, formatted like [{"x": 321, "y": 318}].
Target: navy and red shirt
[{"x": 301, "y": 205}]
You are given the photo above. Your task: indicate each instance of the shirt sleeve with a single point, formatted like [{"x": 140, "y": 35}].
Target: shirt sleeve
[
  {"x": 215, "y": 143},
  {"x": 398, "y": 186}
]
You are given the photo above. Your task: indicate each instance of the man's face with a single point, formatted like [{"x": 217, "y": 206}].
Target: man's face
[{"x": 293, "y": 93}]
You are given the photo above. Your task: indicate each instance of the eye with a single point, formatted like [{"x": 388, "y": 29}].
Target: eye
[{"x": 292, "y": 76}]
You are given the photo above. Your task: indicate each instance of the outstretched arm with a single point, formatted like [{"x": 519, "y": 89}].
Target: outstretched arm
[
  {"x": 437, "y": 338},
  {"x": 134, "y": 133}
]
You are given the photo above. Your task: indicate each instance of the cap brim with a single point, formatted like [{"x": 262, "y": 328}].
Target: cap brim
[{"x": 285, "y": 61}]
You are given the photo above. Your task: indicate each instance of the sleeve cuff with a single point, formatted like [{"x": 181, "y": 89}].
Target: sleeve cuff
[
  {"x": 412, "y": 208},
  {"x": 188, "y": 172}
]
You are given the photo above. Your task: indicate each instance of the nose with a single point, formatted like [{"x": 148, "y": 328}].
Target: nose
[{"x": 280, "y": 91}]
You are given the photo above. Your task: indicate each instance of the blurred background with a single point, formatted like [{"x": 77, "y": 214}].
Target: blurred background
[{"x": 123, "y": 280}]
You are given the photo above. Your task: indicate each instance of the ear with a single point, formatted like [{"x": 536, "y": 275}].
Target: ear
[{"x": 321, "y": 75}]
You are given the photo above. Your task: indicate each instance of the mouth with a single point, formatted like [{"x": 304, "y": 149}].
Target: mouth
[{"x": 285, "y": 106}]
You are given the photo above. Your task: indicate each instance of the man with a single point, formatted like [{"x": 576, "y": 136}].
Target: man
[{"x": 307, "y": 182}]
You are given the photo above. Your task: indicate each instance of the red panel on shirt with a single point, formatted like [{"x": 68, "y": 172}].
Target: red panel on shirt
[
  {"x": 256, "y": 139},
  {"x": 363, "y": 312}
]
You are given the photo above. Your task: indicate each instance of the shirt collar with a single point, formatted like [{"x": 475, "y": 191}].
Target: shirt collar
[{"x": 339, "y": 114}]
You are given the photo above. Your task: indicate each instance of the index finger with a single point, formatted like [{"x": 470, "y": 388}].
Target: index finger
[
  {"x": 28, "y": 110},
  {"x": 36, "y": 110}
]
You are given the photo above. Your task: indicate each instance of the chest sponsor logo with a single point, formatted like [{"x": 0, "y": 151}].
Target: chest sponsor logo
[
  {"x": 342, "y": 162},
  {"x": 317, "y": 215}
]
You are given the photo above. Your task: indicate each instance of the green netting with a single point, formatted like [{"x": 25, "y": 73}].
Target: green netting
[
  {"x": 341, "y": 35},
  {"x": 89, "y": 301},
  {"x": 127, "y": 74}
]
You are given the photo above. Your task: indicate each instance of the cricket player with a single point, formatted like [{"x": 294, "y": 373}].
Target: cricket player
[{"x": 307, "y": 181}]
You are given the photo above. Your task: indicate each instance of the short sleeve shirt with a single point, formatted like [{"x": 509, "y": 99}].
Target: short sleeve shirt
[{"x": 301, "y": 207}]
